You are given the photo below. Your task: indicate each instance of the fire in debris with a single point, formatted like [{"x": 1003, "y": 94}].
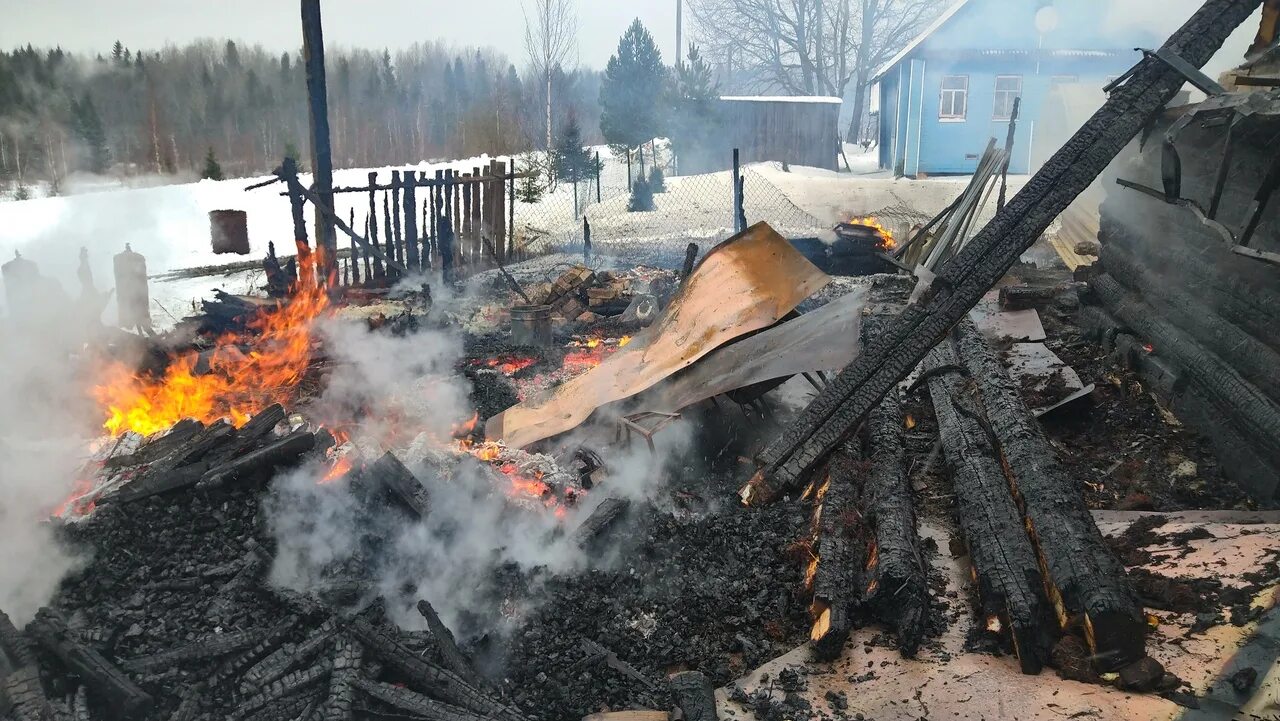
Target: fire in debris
[
  {"x": 507, "y": 364},
  {"x": 590, "y": 352},
  {"x": 886, "y": 236},
  {"x": 237, "y": 385}
]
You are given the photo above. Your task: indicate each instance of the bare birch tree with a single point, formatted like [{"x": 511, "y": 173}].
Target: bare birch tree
[
  {"x": 550, "y": 34},
  {"x": 810, "y": 47}
]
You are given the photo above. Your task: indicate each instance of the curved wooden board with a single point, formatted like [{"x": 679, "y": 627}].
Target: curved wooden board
[{"x": 746, "y": 283}]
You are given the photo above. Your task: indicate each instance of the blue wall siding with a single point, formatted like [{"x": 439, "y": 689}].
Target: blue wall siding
[{"x": 888, "y": 118}]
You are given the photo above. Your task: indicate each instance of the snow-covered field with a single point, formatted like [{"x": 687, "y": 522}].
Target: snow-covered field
[{"x": 170, "y": 226}]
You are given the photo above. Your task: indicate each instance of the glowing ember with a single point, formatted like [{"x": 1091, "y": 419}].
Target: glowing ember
[
  {"x": 886, "y": 235},
  {"x": 237, "y": 384},
  {"x": 594, "y": 351},
  {"x": 507, "y": 365},
  {"x": 341, "y": 465},
  {"x": 462, "y": 430},
  {"x": 993, "y": 624},
  {"x": 75, "y": 505},
  {"x": 1148, "y": 347}
]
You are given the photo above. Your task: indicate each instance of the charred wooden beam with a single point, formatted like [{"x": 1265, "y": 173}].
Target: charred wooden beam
[
  {"x": 1007, "y": 573},
  {"x": 261, "y": 462},
  {"x": 180, "y": 469},
  {"x": 209, "y": 647},
  {"x": 988, "y": 256},
  {"x": 1021, "y": 297},
  {"x": 1081, "y": 575},
  {"x": 80, "y": 705},
  {"x": 1255, "y": 415},
  {"x": 415, "y": 703},
  {"x": 838, "y": 557},
  {"x": 181, "y": 432},
  {"x": 106, "y": 679},
  {"x": 288, "y": 657},
  {"x": 427, "y": 677},
  {"x": 400, "y": 482},
  {"x": 346, "y": 670},
  {"x": 26, "y": 696},
  {"x": 895, "y": 584},
  {"x": 232, "y": 668},
  {"x": 287, "y": 685},
  {"x": 601, "y": 519},
  {"x": 445, "y": 643},
  {"x": 694, "y": 696},
  {"x": 15, "y": 644}
]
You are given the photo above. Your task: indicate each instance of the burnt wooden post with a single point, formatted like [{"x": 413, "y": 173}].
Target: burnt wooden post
[
  {"x": 389, "y": 239},
  {"x": 499, "y": 210},
  {"x": 410, "y": 221},
  {"x": 738, "y": 213},
  {"x": 368, "y": 268},
  {"x": 395, "y": 216},
  {"x": 466, "y": 234},
  {"x": 597, "y": 169},
  {"x": 289, "y": 171},
  {"x": 452, "y": 192},
  {"x": 478, "y": 215},
  {"x": 511, "y": 206},
  {"x": 445, "y": 235},
  {"x": 427, "y": 228},
  {"x": 586, "y": 240},
  {"x": 321, "y": 154},
  {"x": 372, "y": 222},
  {"x": 355, "y": 252}
]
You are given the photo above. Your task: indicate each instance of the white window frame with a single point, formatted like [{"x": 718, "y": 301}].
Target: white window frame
[
  {"x": 1007, "y": 96},
  {"x": 947, "y": 100}
]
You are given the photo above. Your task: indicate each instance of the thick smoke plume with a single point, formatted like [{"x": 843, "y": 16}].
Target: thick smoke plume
[{"x": 410, "y": 383}]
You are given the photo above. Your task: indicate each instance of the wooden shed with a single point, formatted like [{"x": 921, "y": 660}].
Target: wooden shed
[{"x": 799, "y": 130}]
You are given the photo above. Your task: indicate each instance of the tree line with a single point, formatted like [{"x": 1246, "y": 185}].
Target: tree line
[{"x": 181, "y": 110}]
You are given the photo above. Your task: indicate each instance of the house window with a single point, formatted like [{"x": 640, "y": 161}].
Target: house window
[
  {"x": 1008, "y": 88},
  {"x": 954, "y": 103}
]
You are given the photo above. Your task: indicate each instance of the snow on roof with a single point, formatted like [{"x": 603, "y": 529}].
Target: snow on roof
[
  {"x": 783, "y": 98},
  {"x": 942, "y": 20}
]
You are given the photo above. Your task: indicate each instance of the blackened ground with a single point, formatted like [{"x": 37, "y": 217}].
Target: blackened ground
[{"x": 716, "y": 593}]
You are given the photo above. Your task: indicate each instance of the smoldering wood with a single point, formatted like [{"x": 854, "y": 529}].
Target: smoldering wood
[
  {"x": 836, "y": 579},
  {"x": 596, "y": 653},
  {"x": 988, "y": 255},
  {"x": 318, "y": 113},
  {"x": 209, "y": 647},
  {"x": 896, "y": 585},
  {"x": 398, "y": 244},
  {"x": 288, "y": 657},
  {"x": 515, "y": 284},
  {"x": 80, "y": 705},
  {"x": 445, "y": 644},
  {"x": 14, "y": 644},
  {"x": 433, "y": 203},
  {"x": 1081, "y": 574},
  {"x": 1021, "y": 297},
  {"x": 181, "y": 468},
  {"x": 694, "y": 696},
  {"x": 341, "y": 225},
  {"x": 423, "y": 676},
  {"x": 287, "y": 685},
  {"x": 108, "y": 682},
  {"x": 389, "y": 238},
  {"x": 1007, "y": 573},
  {"x": 260, "y": 463},
  {"x": 347, "y": 661},
  {"x": 605, "y": 515},
  {"x": 420, "y": 706},
  {"x": 26, "y": 697},
  {"x": 270, "y": 640},
  {"x": 1253, "y": 414},
  {"x": 378, "y": 272},
  {"x": 455, "y": 199},
  {"x": 501, "y": 238},
  {"x": 690, "y": 260},
  {"x": 389, "y": 473},
  {"x": 355, "y": 251},
  {"x": 445, "y": 234}
]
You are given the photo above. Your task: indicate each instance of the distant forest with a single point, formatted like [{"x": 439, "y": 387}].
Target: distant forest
[{"x": 127, "y": 113}]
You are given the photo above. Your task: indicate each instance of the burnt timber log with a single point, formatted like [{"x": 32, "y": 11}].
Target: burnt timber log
[
  {"x": 219, "y": 644},
  {"x": 427, "y": 677},
  {"x": 106, "y": 680},
  {"x": 1081, "y": 575},
  {"x": 1256, "y": 362},
  {"x": 181, "y": 432},
  {"x": 287, "y": 685},
  {"x": 233, "y": 667},
  {"x": 180, "y": 468},
  {"x": 26, "y": 696},
  {"x": 895, "y": 584},
  {"x": 420, "y": 706},
  {"x": 601, "y": 519},
  {"x": 964, "y": 279},
  {"x": 445, "y": 644},
  {"x": 14, "y": 644},
  {"x": 835, "y": 581},
  {"x": 693, "y": 695},
  {"x": 346, "y": 670},
  {"x": 287, "y": 658},
  {"x": 1256, "y": 416},
  {"x": 400, "y": 482},
  {"x": 260, "y": 463},
  {"x": 1005, "y": 568}
]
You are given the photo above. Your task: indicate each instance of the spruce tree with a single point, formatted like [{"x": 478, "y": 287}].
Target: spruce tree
[
  {"x": 631, "y": 93},
  {"x": 88, "y": 125},
  {"x": 693, "y": 117},
  {"x": 291, "y": 151},
  {"x": 657, "y": 180},
  {"x": 212, "y": 170},
  {"x": 572, "y": 161},
  {"x": 641, "y": 196},
  {"x": 529, "y": 190}
]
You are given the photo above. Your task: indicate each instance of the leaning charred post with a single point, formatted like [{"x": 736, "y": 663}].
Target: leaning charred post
[
  {"x": 895, "y": 584},
  {"x": 445, "y": 643},
  {"x": 964, "y": 279},
  {"x": 694, "y": 696},
  {"x": 1081, "y": 575},
  {"x": 1005, "y": 567}
]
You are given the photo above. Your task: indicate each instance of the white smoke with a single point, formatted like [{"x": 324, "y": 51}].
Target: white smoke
[{"x": 473, "y": 528}]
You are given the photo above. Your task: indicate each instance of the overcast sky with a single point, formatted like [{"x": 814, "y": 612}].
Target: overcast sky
[{"x": 91, "y": 26}]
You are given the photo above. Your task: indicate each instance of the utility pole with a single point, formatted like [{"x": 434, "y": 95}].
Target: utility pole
[
  {"x": 679, "y": 28},
  {"x": 321, "y": 154}
]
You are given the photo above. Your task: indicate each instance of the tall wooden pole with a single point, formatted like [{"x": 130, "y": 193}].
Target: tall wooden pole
[
  {"x": 679, "y": 31},
  {"x": 321, "y": 154}
]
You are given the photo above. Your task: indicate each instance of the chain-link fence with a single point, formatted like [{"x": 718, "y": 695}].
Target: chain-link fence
[{"x": 685, "y": 209}]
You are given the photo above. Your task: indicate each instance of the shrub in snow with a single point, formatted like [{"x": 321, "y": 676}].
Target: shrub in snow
[
  {"x": 641, "y": 197},
  {"x": 657, "y": 181}
]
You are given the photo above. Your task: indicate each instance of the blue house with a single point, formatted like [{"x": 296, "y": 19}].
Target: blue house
[{"x": 951, "y": 90}]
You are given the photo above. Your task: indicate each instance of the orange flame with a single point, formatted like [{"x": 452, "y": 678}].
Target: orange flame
[
  {"x": 508, "y": 365},
  {"x": 237, "y": 384},
  {"x": 886, "y": 235}
]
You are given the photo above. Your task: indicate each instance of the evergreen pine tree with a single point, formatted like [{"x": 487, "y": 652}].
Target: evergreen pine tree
[
  {"x": 632, "y": 89},
  {"x": 529, "y": 190},
  {"x": 291, "y": 151},
  {"x": 693, "y": 116},
  {"x": 117, "y": 52},
  {"x": 88, "y": 125},
  {"x": 572, "y": 161},
  {"x": 212, "y": 170},
  {"x": 657, "y": 180},
  {"x": 641, "y": 196}
]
